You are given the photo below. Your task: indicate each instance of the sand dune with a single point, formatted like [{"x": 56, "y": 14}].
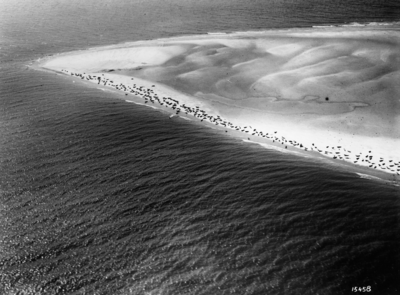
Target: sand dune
[
  {"x": 123, "y": 58},
  {"x": 321, "y": 87}
]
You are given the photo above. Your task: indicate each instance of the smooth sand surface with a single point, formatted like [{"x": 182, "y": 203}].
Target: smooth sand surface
[{"x": 334, "y": 91}]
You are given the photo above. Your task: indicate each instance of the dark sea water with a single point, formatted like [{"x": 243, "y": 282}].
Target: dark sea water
[{"x": 101, "y": 196}]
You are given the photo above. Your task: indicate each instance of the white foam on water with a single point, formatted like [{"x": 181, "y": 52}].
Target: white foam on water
[
  {"x": 366, "y": 176},
  {"x": 273, "y": 147}
]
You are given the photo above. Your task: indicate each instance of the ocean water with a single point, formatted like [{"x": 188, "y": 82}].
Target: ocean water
[{"x": 101, "y": 196}]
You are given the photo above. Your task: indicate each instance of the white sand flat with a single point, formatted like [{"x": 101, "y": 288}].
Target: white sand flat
[{"x": 335, "y": 91}]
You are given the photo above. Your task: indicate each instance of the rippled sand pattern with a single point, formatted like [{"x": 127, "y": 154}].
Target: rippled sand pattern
[
  {"x": 349, "y": 76},
  {"x": 325, "y": 88}
]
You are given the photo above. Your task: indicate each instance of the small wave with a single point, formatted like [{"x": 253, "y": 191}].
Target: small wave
[
  {"x": 357, "y": 24},
  {"x": 366, "y": 176},
  {"x": 102, "y": 89},
  {"x": 370, "y": 177},
  {"x": 273, "y": 147},
  {"x": 324, "y": 26}
]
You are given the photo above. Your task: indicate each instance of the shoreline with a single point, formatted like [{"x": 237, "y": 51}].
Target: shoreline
[{"x": 169, "y": 100}]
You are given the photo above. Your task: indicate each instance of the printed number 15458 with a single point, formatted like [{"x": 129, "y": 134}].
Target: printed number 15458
[{"x": 361, "y": 289}]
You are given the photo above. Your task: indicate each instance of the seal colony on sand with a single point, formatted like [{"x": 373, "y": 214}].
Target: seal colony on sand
[{"x": 332, "y": 91}]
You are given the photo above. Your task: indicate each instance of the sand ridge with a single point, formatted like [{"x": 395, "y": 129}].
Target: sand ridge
[{"x": 334, "y": 93}]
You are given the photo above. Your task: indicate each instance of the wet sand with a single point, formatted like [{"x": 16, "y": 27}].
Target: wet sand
[{"x": 331, "y": 93}]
